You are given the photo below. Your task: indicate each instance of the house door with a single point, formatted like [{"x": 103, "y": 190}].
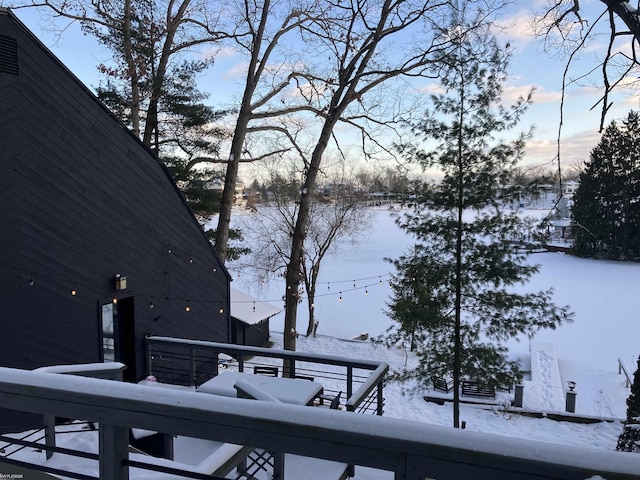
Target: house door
[{"x": 118, "y": 335}]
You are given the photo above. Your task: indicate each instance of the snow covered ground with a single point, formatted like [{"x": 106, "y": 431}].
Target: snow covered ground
[{"x": 603, "y": 295}]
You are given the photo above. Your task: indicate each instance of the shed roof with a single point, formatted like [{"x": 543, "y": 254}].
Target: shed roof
[{"x": 249, "y": 309}]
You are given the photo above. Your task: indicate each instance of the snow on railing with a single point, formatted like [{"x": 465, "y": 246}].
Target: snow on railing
[{"x": 410, "y": 449}]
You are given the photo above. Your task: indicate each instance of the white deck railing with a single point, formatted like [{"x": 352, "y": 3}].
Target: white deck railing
[{"x": 412, "y": 450}]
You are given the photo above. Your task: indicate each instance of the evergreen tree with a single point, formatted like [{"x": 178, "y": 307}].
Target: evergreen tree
[
  {"x": 451, "y": 293},
  {"x": 151, "y": 87},
  {"x": 606, "y": 210},
  {"x": 629, "y": 440}
]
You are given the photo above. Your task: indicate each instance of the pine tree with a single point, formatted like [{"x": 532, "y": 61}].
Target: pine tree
[
  {"x": 151, "y": 87},
  {"x": 452, "y": 299},
  {"x": 606, "y": 210},
  {"x": 629, "y": 440}
]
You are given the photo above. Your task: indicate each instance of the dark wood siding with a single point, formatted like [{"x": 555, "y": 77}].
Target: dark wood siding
[
  {"x": 256, "y": 335},
  {"x": 81, "y": 199}
]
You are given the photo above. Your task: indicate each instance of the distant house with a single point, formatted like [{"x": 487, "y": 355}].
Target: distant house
[
  {"x": 569, "y": 188},
  {"x": 238, "y": 194},
  {"x": 250, "y": 319},
  {"x": 98, "y": 247}
]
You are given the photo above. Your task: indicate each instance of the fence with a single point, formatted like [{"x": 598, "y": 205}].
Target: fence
[
  {"x": 192, "y": 362},
  {"x": 412, "y": 450},
  {"x": 621, "y": 369}
]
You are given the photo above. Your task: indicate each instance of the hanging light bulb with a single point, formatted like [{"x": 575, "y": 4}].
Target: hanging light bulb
[
  {"x": 254, "y": 306},
  {"x": 74, "y": 292},
  {"x": 187, "y": 308},
  {"x": 366, "y": 292},
  {"x": 340, "y": 296}
]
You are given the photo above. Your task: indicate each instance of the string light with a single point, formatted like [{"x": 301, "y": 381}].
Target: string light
[
  {"x": 187, "y": 308},
  {"x": 353, "y": 285}
]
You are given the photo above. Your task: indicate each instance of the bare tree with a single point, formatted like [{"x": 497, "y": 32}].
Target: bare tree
[
  {"x": 566, "y": 24},
  {"x": 260, "y": 33},
  {"x": 338, "y": 215},
  {"x": 147, "y": 37},
  {"x": 368, "y": 45}
]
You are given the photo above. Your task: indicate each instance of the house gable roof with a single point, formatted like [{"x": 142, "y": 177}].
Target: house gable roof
[
  {"x": 9, "y": 63},
  {"x": 250, "y": 310},
  {"x": 81, "y": 200}
]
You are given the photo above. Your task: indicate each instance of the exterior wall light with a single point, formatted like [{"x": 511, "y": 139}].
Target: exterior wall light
[{"x": 120, "y": 282}]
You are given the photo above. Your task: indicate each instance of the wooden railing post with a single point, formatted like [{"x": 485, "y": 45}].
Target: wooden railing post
[
  {"x": 114, "y": 451},
  {"x": 241, "y": 363},
  {"x": 49, "y": 433},
  {"x": 192, "y": 367},
  {"x": 278, "y": 465},
  {"x": 148, "y": 357},
  {"x": 380, "y": 398}
]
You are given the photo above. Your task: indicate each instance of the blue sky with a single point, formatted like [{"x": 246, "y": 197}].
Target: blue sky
[{"x": 531, "y": 67}]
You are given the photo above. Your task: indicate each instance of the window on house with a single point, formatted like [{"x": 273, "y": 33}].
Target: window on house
[{"x": 108, "y": 315}]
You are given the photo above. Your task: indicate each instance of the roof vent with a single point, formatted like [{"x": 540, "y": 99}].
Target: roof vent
[{"x": 8, "y": 55}]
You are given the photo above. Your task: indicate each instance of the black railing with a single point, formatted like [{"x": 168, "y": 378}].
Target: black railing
[
  {"x": 192, "y": 362},
  {"x": 412, "y": 450},
  {"x": 623, "y": 369}
]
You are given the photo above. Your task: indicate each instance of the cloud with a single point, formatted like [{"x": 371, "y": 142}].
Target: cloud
[
  {"x": 573, "y": 147},
  {"x": 237, "y": 70},
  {"x": 518, "y": 27}
]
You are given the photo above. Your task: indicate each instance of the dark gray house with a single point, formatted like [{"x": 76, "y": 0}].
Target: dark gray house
[
  {"x": 250, "y": 319},
  {"x": 97, "y": 246}
]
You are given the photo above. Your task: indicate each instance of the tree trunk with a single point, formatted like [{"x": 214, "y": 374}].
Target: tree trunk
[
  {"x": 151, "y": 124},
  {"x": 312, "y": 319},
  {"x": 132, "y": 71},
  {"x": 457, "y": 353},
  {"x": 239, "y": 134},
  {"x": 297, "y": 242},
  {"x": 230, "y": 180}
]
